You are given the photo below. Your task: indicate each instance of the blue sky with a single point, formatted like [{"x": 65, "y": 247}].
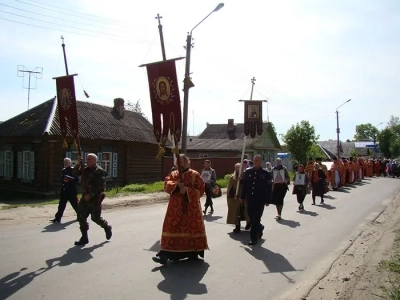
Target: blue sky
[{"x": 308, "y": 56}]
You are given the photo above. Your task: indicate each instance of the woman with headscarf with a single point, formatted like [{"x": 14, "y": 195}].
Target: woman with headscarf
[
  {"x": 236, "y": 211},
  {"x": 300, "y": 182},
  {"x": 318, "y": 182}
]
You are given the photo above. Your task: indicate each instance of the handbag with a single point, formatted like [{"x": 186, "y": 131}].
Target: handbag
[{"x": 216, "y": 191}]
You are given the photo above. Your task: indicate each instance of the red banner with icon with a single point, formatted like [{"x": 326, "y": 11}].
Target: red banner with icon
[
  {"x": 253, "y": 123},
  {"x": 66, "y": 106},
  {"x": 165, "y": 100}
]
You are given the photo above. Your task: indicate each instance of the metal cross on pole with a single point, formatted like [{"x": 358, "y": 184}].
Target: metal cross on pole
[{"x": 36, "y": 72}]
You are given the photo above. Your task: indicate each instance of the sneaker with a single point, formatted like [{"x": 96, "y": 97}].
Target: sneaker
[
  {"x": 278, "y": 217},
  {"x": 252, "y": 243},
  {"x": 159, "y": 260}
]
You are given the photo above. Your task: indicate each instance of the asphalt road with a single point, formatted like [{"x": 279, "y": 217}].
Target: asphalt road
[{"x": 39, "y": 261}]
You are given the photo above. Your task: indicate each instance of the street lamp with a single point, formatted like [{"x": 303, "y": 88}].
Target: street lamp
[
  {"x": 187, "y": 83},
  {"x": 375, "y": 139},
  {"x": 337, "y": 128}
]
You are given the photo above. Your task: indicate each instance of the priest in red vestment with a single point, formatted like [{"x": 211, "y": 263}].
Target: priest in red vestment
[{"x": 183, "y": 232}]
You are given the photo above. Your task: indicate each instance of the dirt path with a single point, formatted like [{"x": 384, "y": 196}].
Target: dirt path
[{"x": 355, "y": 274}]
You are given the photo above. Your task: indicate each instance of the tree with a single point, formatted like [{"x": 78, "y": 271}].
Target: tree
[
  {"x": 315, "y": 152},
  {"x": 134, "y": 107},
  {"x": 385, "y": 139},
  {"x": 354, "y": 153},
  {"x": 394, "y": 125},
  {"x": 299, "y": 140},
  {"x": 395, "y": 148},
  {"x": 365, "y": 132}
]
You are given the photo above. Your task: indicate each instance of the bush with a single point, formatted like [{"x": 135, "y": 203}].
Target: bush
[
  {"x": 134, "y": 188},
  {"x": 223, "y": 182}
]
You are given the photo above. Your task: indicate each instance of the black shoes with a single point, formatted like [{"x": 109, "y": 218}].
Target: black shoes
[
  {"x": 55, "y": 221},
  {"x": 252, "y": 243},
  {"x": 248, "y": 226},
  {"x": 82, "y": 241},
  {"x": 108, "y": 231},
  {"x": 236, "y": 229},
  {"x": 159, "y": 260}
]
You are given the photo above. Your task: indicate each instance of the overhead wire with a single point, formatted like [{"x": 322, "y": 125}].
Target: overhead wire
[
  {"x": 65, "y": 13},
  {"x": 62, "y": 25},
  {"x": 73, "y": 32},
  {"x": 48, "y": 16},
  {"x": 45, "y": 4}
]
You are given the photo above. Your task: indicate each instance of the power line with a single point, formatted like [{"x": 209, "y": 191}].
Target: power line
[
  {"x": 83, "y": 34},
  {"x": 53, "y": 23},
  {"x": 64, "y": 13},
  {"x": 74, "y": 11},
  {"x": 48, "y": 16}
]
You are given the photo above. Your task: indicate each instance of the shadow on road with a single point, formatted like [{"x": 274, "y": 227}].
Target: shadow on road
[
  {"x": 54, "y": 227},
  {"x": 326, "y": 206},
  {"x": 307, "y": 212},
  {"x": 155, "y": 248},
  {"x": 243, "y": 236},
  {"x": 211, "y": 218},
  {"x": 329, "y": 197},
  {"x": 183, "y": 278},
  {"x": 74, "y": 255},
  {"x": 275, "y": 262},
  {"x": 290, "y": 223},
  {"x": 14, "y": 282}
]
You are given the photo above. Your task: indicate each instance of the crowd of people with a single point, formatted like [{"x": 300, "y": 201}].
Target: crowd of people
[{"x": 250, "y": 189}]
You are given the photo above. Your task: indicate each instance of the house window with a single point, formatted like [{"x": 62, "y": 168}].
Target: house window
[
  {"x": 73, "y": 156},
  {"x": 203, "y": 155},
  {"x": 8, "y": 164},
  {"x": 26, "y": 165},
  {"x": 109, "y": 162}
]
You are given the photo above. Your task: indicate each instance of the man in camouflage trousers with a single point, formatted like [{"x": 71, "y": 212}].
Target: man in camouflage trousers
[{"x": 93, "y": 185}]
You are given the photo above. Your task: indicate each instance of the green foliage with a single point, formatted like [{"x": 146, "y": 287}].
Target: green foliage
[
  {"x": 143, "y": 188},
  {"x": 354, "y": 153},
  {"x": 223, "y": 182},
  {"x": 365, "y": 132},
  {"x": 385, "y": 139},
  {"x": 315, "y": 152},
  {"x": 299, "y": 140}
]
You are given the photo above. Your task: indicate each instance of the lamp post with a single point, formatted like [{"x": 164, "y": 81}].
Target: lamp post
[
  {"x": 338, "y": 129},
  {"x": 375, "y": 138},
  {"x": 187, "y": 83}
]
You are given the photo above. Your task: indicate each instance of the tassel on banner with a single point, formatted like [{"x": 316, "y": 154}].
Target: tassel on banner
[
  {"x": 65, "y": 145},
  {"x": 161, "y": 152},
  {"x": 175, "y": 150}
]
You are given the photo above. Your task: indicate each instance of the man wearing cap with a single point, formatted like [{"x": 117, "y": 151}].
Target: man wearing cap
[{"x": 256, "y": 190}]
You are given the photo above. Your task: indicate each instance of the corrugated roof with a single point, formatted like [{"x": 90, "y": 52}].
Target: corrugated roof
[
  {"x": 216, "y": 144},
  {"x": 95, "y": 122}
]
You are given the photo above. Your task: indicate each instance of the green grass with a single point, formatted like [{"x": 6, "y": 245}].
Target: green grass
[
  {"x": 393, "y": 267},
  {"x": 17, "y": 204}
]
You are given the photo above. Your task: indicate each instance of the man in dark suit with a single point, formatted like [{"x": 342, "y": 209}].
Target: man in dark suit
[
  {"x": 257, "y": 188},
  {"x": 68, "y": 191}
]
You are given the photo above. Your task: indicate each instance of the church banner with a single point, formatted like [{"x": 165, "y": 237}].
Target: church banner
[
  {"x": 66, "y": 105},
  {"x": 165, "y": 100},
  {"x": 253, "y": 123}
]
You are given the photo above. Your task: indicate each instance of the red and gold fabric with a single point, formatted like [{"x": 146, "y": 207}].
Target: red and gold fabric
[
  {"x": 309, "y": 168},
  {"x": 183, "y": 229},
  {"x": 253, "y": 123},
  {"x": 66, "y": 105},
  {"x": 165, "y": 102},
  {"x": 344, "y": 174},
  {"x": 335, "y": 167}
]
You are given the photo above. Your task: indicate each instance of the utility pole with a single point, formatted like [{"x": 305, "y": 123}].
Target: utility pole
[
  {"x": 36, "y": 72},
  {"x": 160, "y": 29},
  {"x": 65, "y": 56},
  {"x": 337, "y": 137}
]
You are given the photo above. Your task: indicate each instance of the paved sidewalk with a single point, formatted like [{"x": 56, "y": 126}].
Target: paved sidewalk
[{"x": 141, "y": 199}]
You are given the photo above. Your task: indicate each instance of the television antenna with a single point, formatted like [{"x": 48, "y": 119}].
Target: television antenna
[{"x": 23, "y": 72}]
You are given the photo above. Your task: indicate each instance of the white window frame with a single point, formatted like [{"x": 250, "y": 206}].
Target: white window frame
[
  {"x": 73, "y": 156},
  {"x": 110, "y": 165},
  {"x": 8, "y": 164},
  {"x": 26, "y": 165},
  {"x": 203, "y": 155}
]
